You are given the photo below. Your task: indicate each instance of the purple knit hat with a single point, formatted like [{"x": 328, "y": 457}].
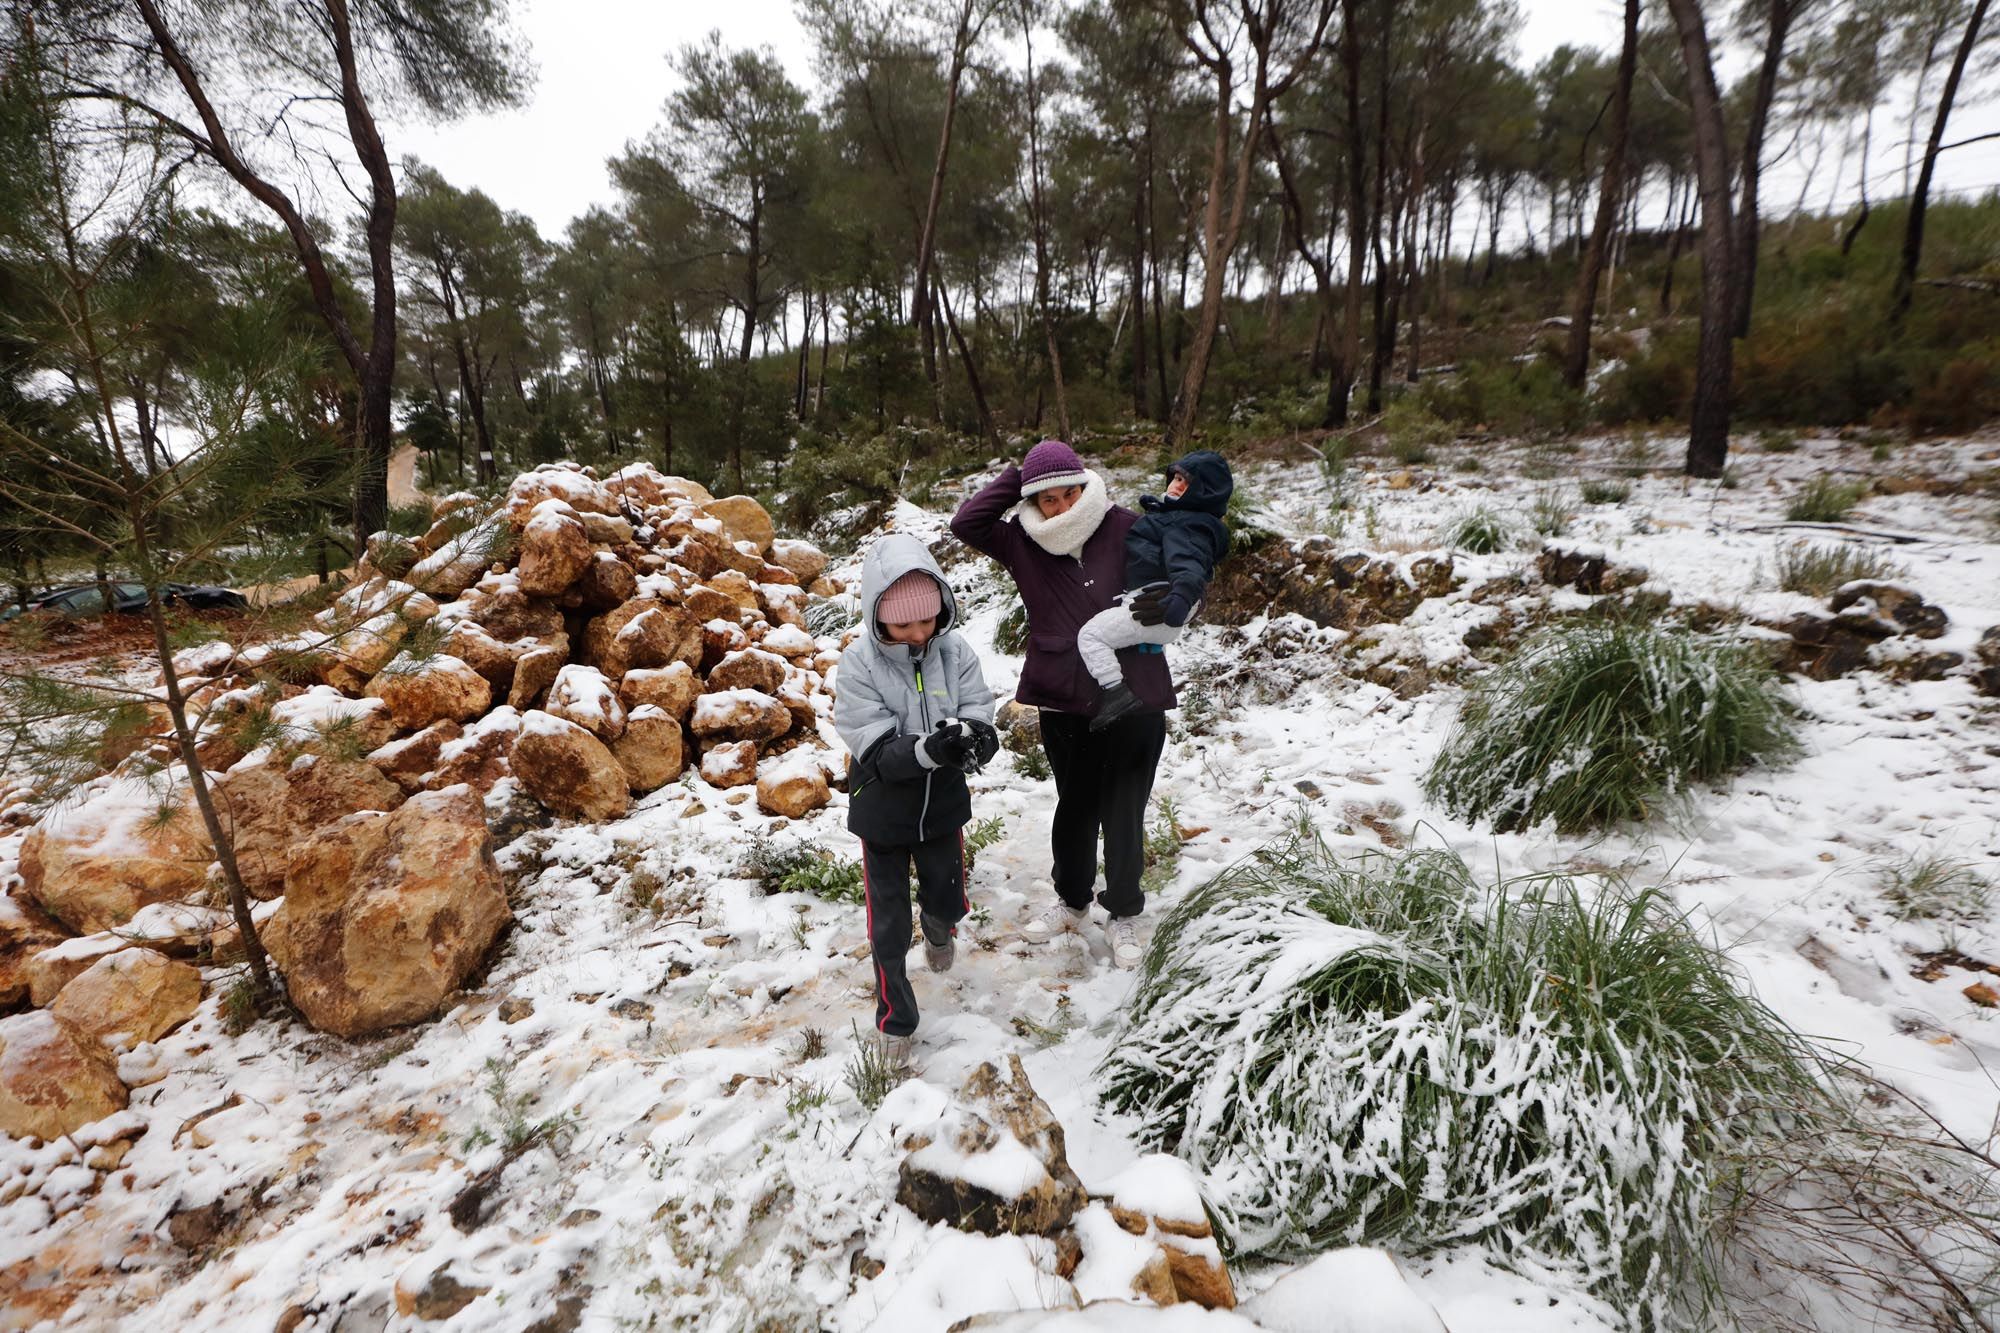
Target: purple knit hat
[
  {"x": 1050, "y": 464},
  {"x": 910, "y": 598}
]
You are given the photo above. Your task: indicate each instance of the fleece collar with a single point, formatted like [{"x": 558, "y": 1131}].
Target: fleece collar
[{"x": 1066, "y": 533}]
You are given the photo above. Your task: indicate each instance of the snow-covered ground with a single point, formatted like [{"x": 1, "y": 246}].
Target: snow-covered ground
[{"x": 699, "y": 1169}]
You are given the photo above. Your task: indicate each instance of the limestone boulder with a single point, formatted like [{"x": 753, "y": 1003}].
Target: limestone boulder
[
  {"x": 743, "y": 519},
  {"x": 1882, "y": 610},
  {"x": 420, "y": 691},
  {"x": 770, "y": 573},
  {"x": 323, "y": 720},
  {"x": 793, "y": 784},
  {"x": 93, "y": 864},
  {"x": 720, "y": 638},
  {"x": 132, "y": 996},
  {"x": 533, "y": 674},
  {"x": 730, "y": 764},
  {"x": 953, "y": 1169},
  {"x": 494, "y": 660},
  {"x": 386, "y": 914},
  {"x": 407, "y": 761},
  {"x": 806, "y": 561},
  {"x": 508, "y": 614},
  {"x": 644, "y": 632},
  {"x": 1159, "y": 1198},
  {"x": 748, "y": 669},
  {"x": 53, "y": 968},
  {"x": 465, "y": 549},
  {"x": 566, "y": 482},
  {"x": 606, "y": 529},
  {"x": 782, "y": 603},
  {"x": 652, "y": 750},
  {"x": 606, "y": 582},
  {"x": 25, "y": 931},
  {"x": 791, "y": 642},
  {"x": 739, "y": 715},
  {"x": 694, "y": 556},
  {"x": 672, "y": 689},
  {"x": 644, "y": 484},
  {"x": 706, "y": 603},
  {"x": 582, "y": 695},
  {"x": 737, "y": 587},
  {"x": 569, "y": 770},
  {"x": 481, "y": 756},
  {"x": 54, "y": 1080},
  {"x": 392, "y": 554},
  {"x": 740, "y": 558},
  {"x": 555, "y": 550},
  {"x": 267, "y": 806}
]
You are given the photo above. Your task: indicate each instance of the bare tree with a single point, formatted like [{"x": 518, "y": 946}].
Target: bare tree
[
  {"x": 1610, "y": 198},
  {"x": 1708, "y": 424},
  {"x": 1913, "y": 229}
]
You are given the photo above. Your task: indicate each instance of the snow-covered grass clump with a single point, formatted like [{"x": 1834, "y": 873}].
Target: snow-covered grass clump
[
  {"x": 1380, "y": 1050},
  {"x": 1596, "y": 723}
]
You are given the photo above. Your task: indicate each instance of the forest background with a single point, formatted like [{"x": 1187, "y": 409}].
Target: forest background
[{"x": 1351, "y": 223}]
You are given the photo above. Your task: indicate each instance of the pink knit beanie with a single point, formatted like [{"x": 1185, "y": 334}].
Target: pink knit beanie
[
  {"x": 910, "y": 598},
  {"x": 1051, "y": 464}
]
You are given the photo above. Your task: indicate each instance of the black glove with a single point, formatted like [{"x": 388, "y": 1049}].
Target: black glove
[
  {"x": 949, "y": 745},
  {"x": 1149, "y": 605},
  {"x": 985, "y": 743}
]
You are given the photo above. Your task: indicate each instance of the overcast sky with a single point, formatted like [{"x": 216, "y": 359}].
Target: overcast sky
[{"x": 603, "y": 79}]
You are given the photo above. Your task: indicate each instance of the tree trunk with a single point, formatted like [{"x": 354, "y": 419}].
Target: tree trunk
[
  {"x": 1321, "y": 268},
  {"x": 1853, "y": 232},
  {"x": 1583, "y": 302},
  {"x": 1040, "y": 221},
  {"x": 1745, "y": 277},
  {"x": 1340, "y": 387},
  {"x": 1913, "y": 229},
  {"x": 927, "y": 238},
  {"x": 971, "y": 370},
  {"x": 1708, "y": 426}
]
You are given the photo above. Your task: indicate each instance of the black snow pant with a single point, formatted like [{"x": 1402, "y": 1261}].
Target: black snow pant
[
  {"x": 1103, "y": 781},
  {"x": 885, "y": 877}
]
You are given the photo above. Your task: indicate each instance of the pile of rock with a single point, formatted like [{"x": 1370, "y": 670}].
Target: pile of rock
[
  {"x": 583, "y": 641},
  {"x": 1313, "y": 577}
]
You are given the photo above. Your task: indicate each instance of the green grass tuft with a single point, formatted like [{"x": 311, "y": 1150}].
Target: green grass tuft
[
  {"x": 1818, "y": 571},
  {"x": 1825, "y": 500},
  {"x": 1378, "y": 1049},
  {"x": 1606, "y": 492},
  {"x": 1598, "y": 723},
  {"x": 1479, "y": 531}
]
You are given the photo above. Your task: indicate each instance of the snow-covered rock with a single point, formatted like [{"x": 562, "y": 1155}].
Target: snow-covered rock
[
  {"x": 54, "y": 1080},
  {"x": 993, "y": 1161},
  {"x": 93, "y": 864},
  {"x": 422, "y": 691},
  {"x": 793, "y": 784},
  {"x": 569, "y": 770},
  {"x": 132, "y": 996}
]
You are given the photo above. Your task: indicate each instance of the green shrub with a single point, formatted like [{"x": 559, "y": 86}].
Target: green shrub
[
  {"x": 1010, "y": 636},
  {"x": 1506, "y": 397},
  {"x": 1606, "y": 492},
  {"x": 1479, "y": 531},
  {"x": 1777, "y": 441},
  {"x": 1818, "y": 570},
  {"x": 800, "y": 867},
  {"x": 1596, "y": 723},
  {"x": 1552, "y": 511},
  {"x": 1932, "y": 885},
  {"x": 1825, "y": 499},
  {"x": 1413, "y": 433},
  {"x": 1380, "y": 1050},
  {"x": 1247, "y": 528}
]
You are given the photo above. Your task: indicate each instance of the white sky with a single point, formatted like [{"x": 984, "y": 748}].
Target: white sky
[{"x": 604, "y": 79}]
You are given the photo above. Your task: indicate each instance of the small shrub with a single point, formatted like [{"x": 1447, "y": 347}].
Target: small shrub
[
  {"x": 1247, "y": 530},
  {"x": 1033, "y": 764},
  {"x": 1010, "y": 636},
  {"x": 1378, "y": 1049},
  {"x": 869, "y": 1074},
  {"x": 1413, "y": 433},
  {"x": 1552, "y": 511},
  {"x": 799, "y": 867},
  {"x": 1479, "y": 531},
  {"x": 1825, "y": 499},
  {"x": 1597, "y": 723},
  {"x": 1776, "y": 441},
  {"x": 1818, "y": 570},
  {"x": 1162, "y": 847},
  {"x": 811, "y": 1045},
  {"x": 1606, "y": 492},
  {"x": 1932, "y": 885},
  {"x": 981, "y": 836}
]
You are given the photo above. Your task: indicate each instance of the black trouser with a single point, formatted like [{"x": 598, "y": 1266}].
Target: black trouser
[
  {"x": 885, "y": 878},
  {"x": 1103, "y": 780}
]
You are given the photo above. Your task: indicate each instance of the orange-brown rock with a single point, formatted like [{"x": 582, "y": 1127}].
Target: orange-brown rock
[
  {"x": 995, "y": 1119},
  {"x": 386, "y": 914},
  {"x": 93, "y": 864},
  {"x": 782, "y": 603},
  {"x": 556, "y": 481},
  {"x": 54, "y": 1080},
  {"x": 644, "y": 632},
  {"x": 25, "y": 930},
  {"x": 606, "y": 582},
  {"x": 480, "y": 757},
  {"x": 805, "y": 560},
  {"x": 533, "y": 674},
  {"x": 706, "y": 603},
  {"x": 606, "y": 529},
  {"x": 743, "y": 519},
  {"x": 456, "y": 563},
  {"x": 509, "y": 614},
  {"x": 693, "y": 556},
  {"x": 748, "y": 669},
  {"x": 132, "y": 996},
  {"x": 730, "y": 764},
  {"x": 652, "y": 750},
  {"x": 582, "y": 695},
  {"x": 792, "y": 785},
  {"x": 642, "y": 483},
  {"x": 739, "y": 715},
  {"x": 671, "y": 689},
  {"x": 569, "y": 770},
  {"x": 405, "y": 762},
  {"x": 737, "y": 587},
  {"x": 741, "y": 558},
  {"x": 769, "y": 573},
  {"x": 797, "y": 702},
  {"x": 323, "y": 720},
  {"x": 720, "y": 638},
  {"x": 555, "y": 550},
  {"x": 269, "y": 806},
  {"x": 53, "y": 968},
  {"x": 420, "y": 691}
]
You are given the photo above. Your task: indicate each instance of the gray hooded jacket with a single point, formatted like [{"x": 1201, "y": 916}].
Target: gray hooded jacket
[{"x": 887, "y": 696}]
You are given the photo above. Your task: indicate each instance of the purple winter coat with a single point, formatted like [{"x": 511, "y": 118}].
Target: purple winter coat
[{"x": 1060, "y": 593}]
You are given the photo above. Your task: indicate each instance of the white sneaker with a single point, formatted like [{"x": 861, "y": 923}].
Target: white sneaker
[
  {"x": 1052, "y": 921},
  {"x": 1123, "y": 932},
  {"x": 896, "y": 1053}
]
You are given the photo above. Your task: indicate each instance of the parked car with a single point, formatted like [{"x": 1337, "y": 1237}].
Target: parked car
[{"x": 87, "y": 599}]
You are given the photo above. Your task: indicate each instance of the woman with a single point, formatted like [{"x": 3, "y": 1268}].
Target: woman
[{"x": 1051, "y": 522}]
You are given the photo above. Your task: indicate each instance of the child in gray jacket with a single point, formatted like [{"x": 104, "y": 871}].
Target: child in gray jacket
[{"x": 915, "y": 713}]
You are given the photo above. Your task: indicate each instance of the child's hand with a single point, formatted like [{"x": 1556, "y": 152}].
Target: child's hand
[
  {"x": 985, "y": 742},
  {"x": 1149, "y": 605},
  {"x": 949, "y": 745}
]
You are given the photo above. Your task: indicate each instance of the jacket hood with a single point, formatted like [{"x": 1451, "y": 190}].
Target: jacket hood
[
  {"x": 892, "y": 556},
  {"x": 1210, "y": 484}
]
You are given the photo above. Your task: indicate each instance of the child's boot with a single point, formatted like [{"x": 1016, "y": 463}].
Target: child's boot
[
  {"x": 1113, "y": 704},
  {"x": 938, "y": 944}
]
